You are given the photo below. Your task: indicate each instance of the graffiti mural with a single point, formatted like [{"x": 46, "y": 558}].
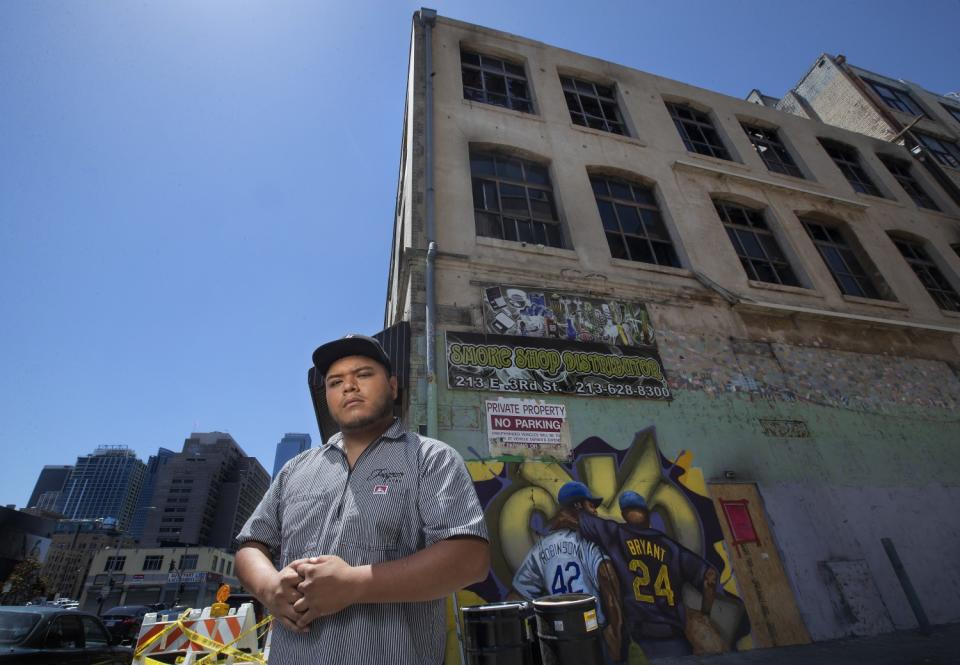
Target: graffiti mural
[{"x": 521, "y": 498}]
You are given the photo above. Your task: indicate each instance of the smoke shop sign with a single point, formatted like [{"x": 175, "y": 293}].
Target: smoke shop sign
[
  {"x": 502, "y": 363},
  {"x": 528, "y": 428}
]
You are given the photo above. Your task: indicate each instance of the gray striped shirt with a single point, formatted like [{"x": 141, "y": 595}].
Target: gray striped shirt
[{"x": 405, "y": 493}]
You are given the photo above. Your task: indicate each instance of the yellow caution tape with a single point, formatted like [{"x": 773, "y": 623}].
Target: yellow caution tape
[
  {"x": 143, "y": 647},
  {"x": 219, "y": 648},
  {"x": 215, "y": 646}
]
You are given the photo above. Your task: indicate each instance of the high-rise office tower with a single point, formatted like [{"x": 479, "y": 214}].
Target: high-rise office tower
[
  {"x": 50, "y": 482},
  {"x": 145, "y": 504},
  {"x": 105, "y": 484},
  {"x": 204, "y": 493},
  {"x": 289, "y": 447}
]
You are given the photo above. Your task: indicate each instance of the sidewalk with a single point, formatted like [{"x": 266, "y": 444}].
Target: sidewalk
[{"x": 906, "y": 647}]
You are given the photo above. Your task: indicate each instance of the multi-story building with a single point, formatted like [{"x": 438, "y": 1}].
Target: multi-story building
[
  {"x": 928, "y": 124},
  {"x": 747, "y": 316},
  {"x": 289, "y": 447},
  {"x": 73, "y": 545},
  {"x": 185, "y": 575},
  {"x": 104, "y": 485},
  {"x": 204, "y": 493},
  {"x": 23, "y": 536},
  {"x": 145, "y": 504},
  {"x": 50, "y": 482}
]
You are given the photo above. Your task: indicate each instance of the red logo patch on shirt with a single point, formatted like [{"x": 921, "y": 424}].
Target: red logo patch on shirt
[{"x": 380, "y": 489}]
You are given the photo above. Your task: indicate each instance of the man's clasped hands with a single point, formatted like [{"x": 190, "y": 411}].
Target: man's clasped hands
[{"x": 308, "y": 589}]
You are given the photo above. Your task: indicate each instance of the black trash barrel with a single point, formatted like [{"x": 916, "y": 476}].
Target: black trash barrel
[
  {"x": 500, "y": 634},
  {"x": 568, "y": 629}
]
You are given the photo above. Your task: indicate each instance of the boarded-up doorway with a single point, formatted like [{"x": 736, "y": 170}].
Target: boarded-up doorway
[{"x": 774, "y": 618}]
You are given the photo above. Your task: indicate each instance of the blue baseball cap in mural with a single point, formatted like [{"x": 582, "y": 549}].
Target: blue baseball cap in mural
[
  {"x": 351, "y": 345},
  {"x": 573, "y": 491},
  {"x": 632, "y": 500}
]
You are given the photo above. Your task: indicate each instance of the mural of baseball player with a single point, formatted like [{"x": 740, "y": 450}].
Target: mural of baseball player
[
  {"x": 652, "y": 569},
  {"x": 565, "y": 562}
]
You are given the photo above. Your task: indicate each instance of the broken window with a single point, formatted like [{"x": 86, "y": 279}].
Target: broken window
[
  {"x": 841, "y": 260},
  {"x": 900, "y": 169},
  {"x": 632, "y": 222},
  {"x": 755, "y": 244},
  {"x": 592, "y": 105},
  {"x": 895, "y": 98},
  {"x": 771, "y": 150},
  {"x": 513, "y": 199},
  {"x": 494, "y": 81},
  {"x": 697, "y": 131},
  {"x": 945, "y": 152},
  {"x": 848, "y": 161},
  {"x": 929, "y": 275}
]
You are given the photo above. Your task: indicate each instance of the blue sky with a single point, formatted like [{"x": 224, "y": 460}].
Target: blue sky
[{"x": 195, "y": 194}]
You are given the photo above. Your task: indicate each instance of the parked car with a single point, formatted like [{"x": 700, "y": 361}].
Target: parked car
[
  {"x": 124, "y": 621},
  {"x": 45, "y": 635},
  {"x": 171, "y": 613}
]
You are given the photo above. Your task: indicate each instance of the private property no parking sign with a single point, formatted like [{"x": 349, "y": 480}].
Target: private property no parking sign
[{"x": 527, "y": 428}]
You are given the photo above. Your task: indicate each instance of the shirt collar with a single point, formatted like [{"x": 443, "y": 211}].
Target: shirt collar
[{"x": 393, "y": 433}]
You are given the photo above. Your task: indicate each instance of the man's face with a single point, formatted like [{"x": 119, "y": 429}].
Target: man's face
[
  {"x": 636, "y": 516},
  {"x": 359, "y": 392},
  {"x": 589, "y": 507}
]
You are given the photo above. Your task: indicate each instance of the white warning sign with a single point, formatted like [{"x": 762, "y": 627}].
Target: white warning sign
[{"x": 528, "y": 428}]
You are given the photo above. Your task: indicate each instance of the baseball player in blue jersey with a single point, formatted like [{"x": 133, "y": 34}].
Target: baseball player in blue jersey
[
  {"x": 651, "y": 568},
  {"x": 564, "y": 562}
]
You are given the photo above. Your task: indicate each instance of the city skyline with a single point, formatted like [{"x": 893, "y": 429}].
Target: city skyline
[{"x": 172, "y": 219}]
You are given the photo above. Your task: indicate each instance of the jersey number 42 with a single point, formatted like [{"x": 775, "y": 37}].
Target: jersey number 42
[{"x": 564, "y": 578}]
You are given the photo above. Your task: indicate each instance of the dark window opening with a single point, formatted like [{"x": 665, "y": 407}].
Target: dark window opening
[
  {"x": 848, "y": 161},
  {"x": 929, "y": 275},
  {"x": 697, "y": 131},
  {"x": 494, "y": 81},
  {"x": 899, "y": 100},
  {"x": 513, "y": 200},
  {"x": 632, "y": 222},
  {"x": 772, "y": 151},
  {"x": 900, "y": 169},
  {"x": 755, "y": 244},
  {"x": 592, "y": 105},
  {"x": 844, "y": 266},
  {"x": 945, "y": 152}
]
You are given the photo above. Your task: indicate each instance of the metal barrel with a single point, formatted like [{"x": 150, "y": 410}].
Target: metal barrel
[
  {"x": 568, "y": 629},
  {"x": 500, "y": 634}
]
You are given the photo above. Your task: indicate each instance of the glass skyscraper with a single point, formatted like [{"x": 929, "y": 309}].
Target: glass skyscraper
[{"x": 289, "y": 447}]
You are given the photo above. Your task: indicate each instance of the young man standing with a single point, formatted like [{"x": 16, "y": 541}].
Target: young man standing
[{"x": 371, "y": 530}]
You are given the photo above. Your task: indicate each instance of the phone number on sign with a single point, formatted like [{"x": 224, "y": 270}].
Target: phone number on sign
[
  {"x": 579, "y": 388},
  {"x": 591, "y": 388}
]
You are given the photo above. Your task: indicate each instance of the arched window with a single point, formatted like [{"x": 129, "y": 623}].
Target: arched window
[
  {"x": 927, "y": 272},
  {"x": 632, "y": 221},
  {"x": 839, "y": 254},
  {"x": 513, "y": 199},
  {"x": 755, "y": 244}
]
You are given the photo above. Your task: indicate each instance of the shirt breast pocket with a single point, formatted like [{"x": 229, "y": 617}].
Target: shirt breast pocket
[
  {"x": 302, "y": 523},
  {"x": 381, "y": 520}
]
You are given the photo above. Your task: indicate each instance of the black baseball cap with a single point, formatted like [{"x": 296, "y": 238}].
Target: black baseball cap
[{"x": 350, "y": 345}]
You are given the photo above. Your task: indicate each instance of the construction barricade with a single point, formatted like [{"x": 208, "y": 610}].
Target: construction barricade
[{"x": 196, "y": 638}]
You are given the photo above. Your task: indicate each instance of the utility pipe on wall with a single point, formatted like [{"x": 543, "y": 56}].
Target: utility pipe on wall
[{"x": 428, "y": 18}]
